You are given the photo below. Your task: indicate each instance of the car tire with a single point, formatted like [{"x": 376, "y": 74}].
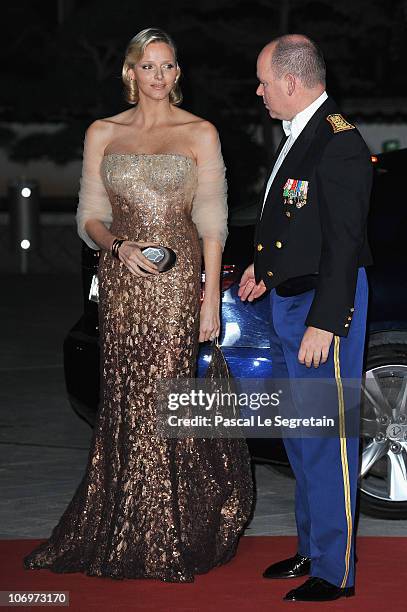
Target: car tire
[{"x": 383, "y": 487}]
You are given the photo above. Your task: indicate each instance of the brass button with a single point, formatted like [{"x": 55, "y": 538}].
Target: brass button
[
  {"x": 287, "y": 212},
  {"x": 279, "y": 244},
  {"x": 349, "y": 318},
  {"x": 269, "y": 273},
  {"x": 259, "y": 247},
  {"x": 352, "y": 309},
  {"x": 346, "y": 324}
]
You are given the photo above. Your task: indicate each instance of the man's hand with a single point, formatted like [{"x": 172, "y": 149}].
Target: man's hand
[
  {"x": 248, "y": 289},
  {"x": 314, "y": 347}
]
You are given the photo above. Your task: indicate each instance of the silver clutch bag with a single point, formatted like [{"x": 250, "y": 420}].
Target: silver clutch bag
[{"x": 94, "y": 289}]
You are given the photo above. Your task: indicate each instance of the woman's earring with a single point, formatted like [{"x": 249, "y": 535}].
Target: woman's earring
[{"x": 133, "y": 88}]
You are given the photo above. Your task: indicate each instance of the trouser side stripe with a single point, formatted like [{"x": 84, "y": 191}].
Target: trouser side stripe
[{"x": 344, "y": 457}]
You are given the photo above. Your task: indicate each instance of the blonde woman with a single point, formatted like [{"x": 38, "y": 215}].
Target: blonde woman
[{"x": 153, "y": 175}]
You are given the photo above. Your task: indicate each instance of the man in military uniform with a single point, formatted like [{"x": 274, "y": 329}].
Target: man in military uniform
[{"x": 310, "y": 251}]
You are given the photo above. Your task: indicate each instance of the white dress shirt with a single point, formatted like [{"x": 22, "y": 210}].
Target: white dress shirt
[{"x": 293, "y": 129}]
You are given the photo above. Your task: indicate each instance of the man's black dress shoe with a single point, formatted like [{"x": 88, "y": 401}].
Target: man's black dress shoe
[
  {"x": 318, "y": 589},
  {"x": 294, "y": 567}
]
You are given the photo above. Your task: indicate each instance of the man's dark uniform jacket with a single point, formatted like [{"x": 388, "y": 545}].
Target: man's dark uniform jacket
[{"x": 321, "y": 244}]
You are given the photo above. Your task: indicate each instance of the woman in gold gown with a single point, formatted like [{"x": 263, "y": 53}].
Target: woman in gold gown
[{"x": 148, "y": 506}]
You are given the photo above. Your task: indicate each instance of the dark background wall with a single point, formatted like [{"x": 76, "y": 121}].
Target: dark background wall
[{"x": 61, "y": 62}]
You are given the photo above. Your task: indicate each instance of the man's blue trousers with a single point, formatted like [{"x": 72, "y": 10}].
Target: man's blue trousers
[{"x": 325, "y": 467}]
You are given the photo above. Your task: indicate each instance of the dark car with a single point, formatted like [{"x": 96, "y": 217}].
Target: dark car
[{"x": 244, "y": 341}]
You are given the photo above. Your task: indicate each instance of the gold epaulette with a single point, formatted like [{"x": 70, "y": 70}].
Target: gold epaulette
[{"x": 338, "y": 123}]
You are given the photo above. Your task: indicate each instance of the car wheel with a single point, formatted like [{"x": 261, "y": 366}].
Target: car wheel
[{"x": 383, "y": 471}]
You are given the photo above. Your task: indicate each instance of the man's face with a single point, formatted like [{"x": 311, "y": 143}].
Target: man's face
[{"x": 273, "y": 91}]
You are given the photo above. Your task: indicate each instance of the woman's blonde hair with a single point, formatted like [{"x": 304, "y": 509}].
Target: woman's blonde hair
[{"x": 134, "y": 52}]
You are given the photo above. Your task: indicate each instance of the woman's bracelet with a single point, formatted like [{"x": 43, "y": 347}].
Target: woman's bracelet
[{"x": 117, "y": 242}]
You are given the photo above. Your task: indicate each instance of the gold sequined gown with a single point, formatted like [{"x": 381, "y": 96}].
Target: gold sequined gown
[{"x": 150, "y": 507}]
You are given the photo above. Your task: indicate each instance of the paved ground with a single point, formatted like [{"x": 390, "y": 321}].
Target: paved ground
[{"x": 43, "y": 445}]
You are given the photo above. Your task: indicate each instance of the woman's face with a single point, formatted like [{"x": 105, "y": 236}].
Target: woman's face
[{"x": 156, "y": 71}]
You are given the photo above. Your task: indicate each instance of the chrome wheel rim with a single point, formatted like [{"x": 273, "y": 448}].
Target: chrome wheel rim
[{"x": 383, "y": 468}]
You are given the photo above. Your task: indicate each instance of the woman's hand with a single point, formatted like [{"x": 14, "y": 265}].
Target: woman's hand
[
  {"x": 209, "y": 320},
  {"x": 130, "y": 254}
]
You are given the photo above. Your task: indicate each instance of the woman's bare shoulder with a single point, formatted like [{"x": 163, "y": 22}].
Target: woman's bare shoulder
[
  {"x": 206, "y": 131},
  {"x": 201, "y": 132},
  {"x": 106, "y": 125},
  {"x": 122, "y": 118},
  {"x": 194, "y": 121}
]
